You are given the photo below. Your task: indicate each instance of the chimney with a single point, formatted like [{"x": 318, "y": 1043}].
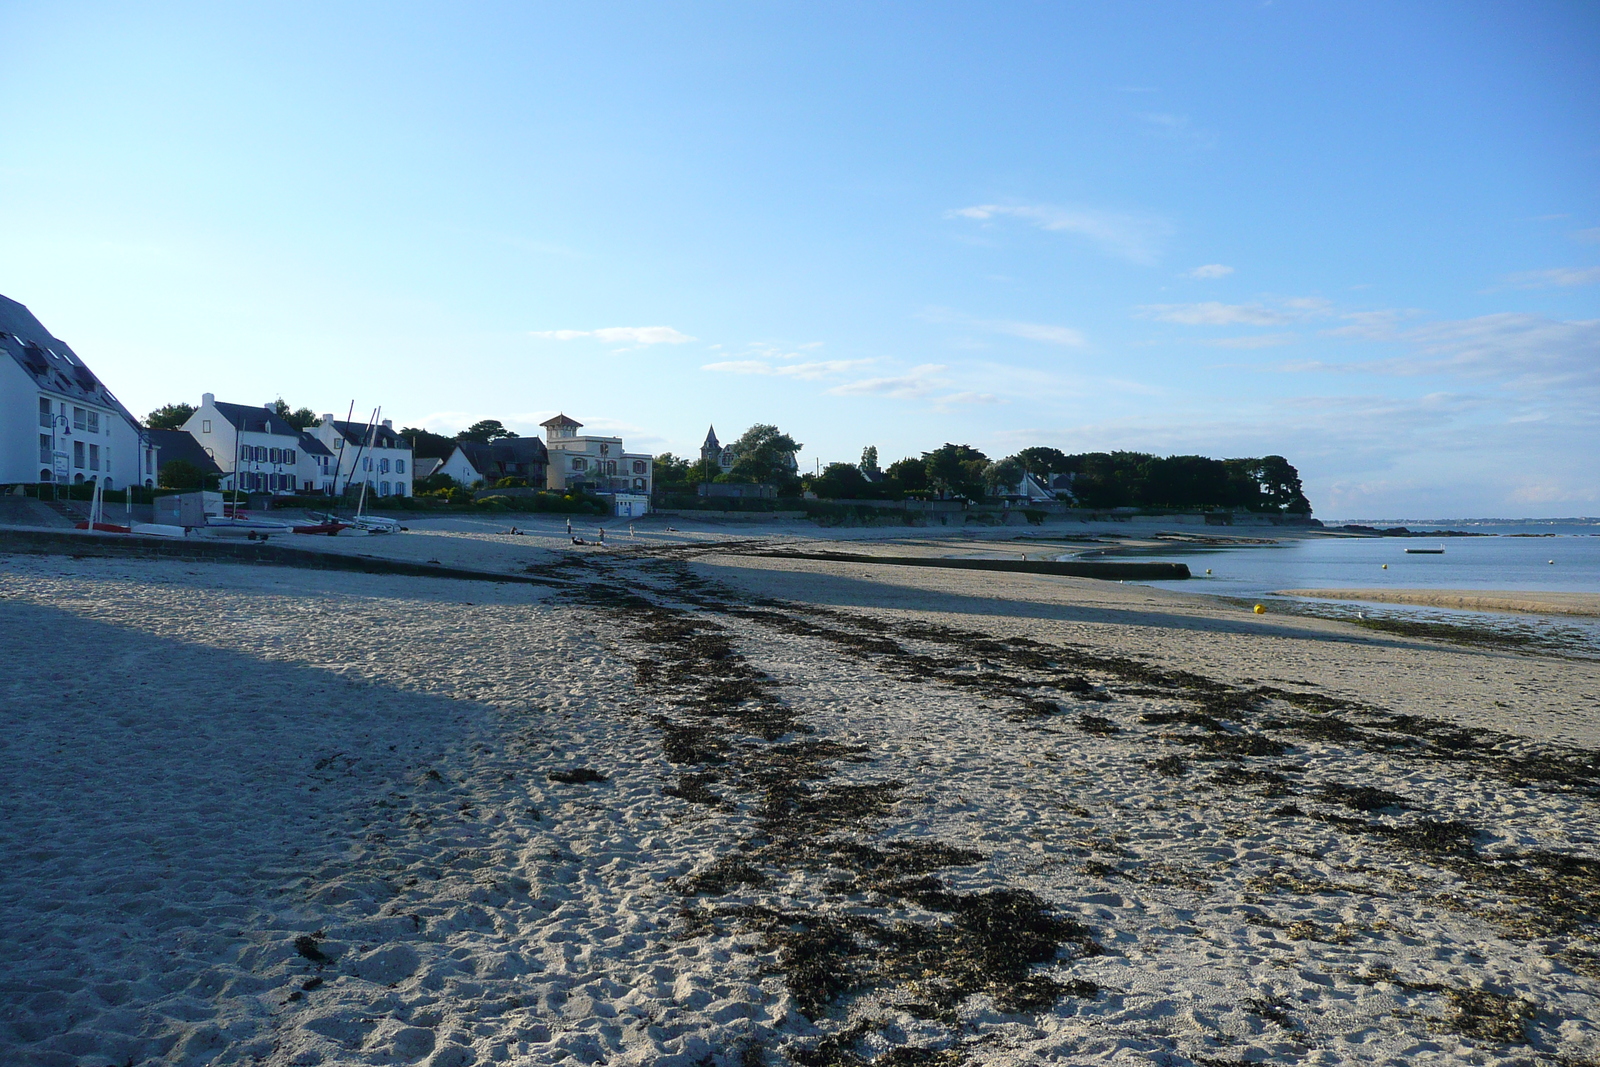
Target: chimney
[
  {"x": 207, "y": 398},
  {"x": 388, "y": 424},
  {"x": 270, "y": 407},
  {"x": 327, "y": 419}
]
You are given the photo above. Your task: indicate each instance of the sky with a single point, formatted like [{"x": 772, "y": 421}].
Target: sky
[{"x": 1361, "y": 235}]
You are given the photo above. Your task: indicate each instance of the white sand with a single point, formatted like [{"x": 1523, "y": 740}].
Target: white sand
[{"x": 204, "y": 762}]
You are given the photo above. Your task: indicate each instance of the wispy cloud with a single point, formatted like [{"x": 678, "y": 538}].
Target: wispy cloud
[
  {"x": 920, "y": 381},
  {"x": 1555, "y": 277},
  {"x": 636, "y": 335},
  {"x": 1214, "y": 313},
  {"x": 1590, "y": 236},
  {"x": 802, "y": 371},
  {"x": 1028, "y": 331},
  {"x": 1038, "y": 331},
  {"x": 1210, "y": 270},
  {"x": 1178, "y": 128},
  {"x": 1559, "y": 359},
  {"x": 1262, "y": 340},
  {"x": 1136, "y": 238}
]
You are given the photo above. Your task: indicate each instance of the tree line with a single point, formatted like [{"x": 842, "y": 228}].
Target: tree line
[{"x": 952, "y": 471}]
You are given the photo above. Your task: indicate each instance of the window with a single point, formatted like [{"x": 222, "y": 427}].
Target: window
[
  {"x": 383, "y": 488},
  {"x": 383, "y": 466},
  {"x": 47, "y": 416},
  {"x": 94, "y": 457},
  {"x": 291, "y": 483},
  {"x": 579, "y": 463},
  {"x": 366, "y": 464},
  {"x": 605, "y": 450},
  {"x": 638, "y": 483},
  {"x": 638, "y": 466},
  {"x": 205, "y": 425},
  {"x": 44, "y": 448},
  {"x": 611, "y": 466},
  {"x": 276, "y": 456},
  {"x": 399, "y": 466},
  {"x": 94, "y": 422},
  {"x": 79, "y": 418},
  {"x": 77, "y": 453},
  {"x": 289, "y": 456}
]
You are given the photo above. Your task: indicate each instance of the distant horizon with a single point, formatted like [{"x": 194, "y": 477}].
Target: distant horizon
[{"x": 1363, "y": 236}]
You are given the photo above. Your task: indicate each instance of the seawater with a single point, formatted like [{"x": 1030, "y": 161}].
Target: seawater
[{"x": 1563, "y": 557}]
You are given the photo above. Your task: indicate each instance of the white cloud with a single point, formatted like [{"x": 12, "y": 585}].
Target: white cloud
[
  {"x": 1038, "y": 331},
  {"x": 1211, "y": 270},
  {"x": 1213, "y": 313},
  {"x": 917, "y": 382},
  {"x": 967, "y": 398},
  {"x": 1136, "y": 238},
  {"x": 1558, "y": 276},
  {"x": 1262, "y": 340},
  {"x": 637, "y": 335},
  {"x": 803, "y": 371}
]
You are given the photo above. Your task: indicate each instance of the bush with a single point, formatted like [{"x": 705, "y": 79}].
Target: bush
[{"x": 511, "y": 483}]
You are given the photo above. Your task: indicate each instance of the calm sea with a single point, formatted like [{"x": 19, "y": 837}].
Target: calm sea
[{"x": 1536, "y": 556}]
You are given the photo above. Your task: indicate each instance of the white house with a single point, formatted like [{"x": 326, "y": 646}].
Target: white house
[
  {"x": 256, "y": 449},
  {"x": 597, "y": 463},
  {"x": 363, "y": 453},
  {"x": 58, "y": 422},
  {"x": 463, "y": 466}
]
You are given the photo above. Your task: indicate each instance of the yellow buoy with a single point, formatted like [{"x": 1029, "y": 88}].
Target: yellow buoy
[
  {"x": 1552, "y": 563},
  {"x": 1259, "y": 610},
  {"x": 1208, "y": 569},
  {"x": 1385, "y": 566}
]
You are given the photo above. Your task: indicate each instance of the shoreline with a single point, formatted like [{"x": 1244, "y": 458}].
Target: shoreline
[{"x": 1516, "y": 602}]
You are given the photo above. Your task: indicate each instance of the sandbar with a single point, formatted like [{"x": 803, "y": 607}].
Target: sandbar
[{"x": 1525, "y": 602}]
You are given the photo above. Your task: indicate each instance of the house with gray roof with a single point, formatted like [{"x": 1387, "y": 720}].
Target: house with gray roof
[
  {"x": 363, "y": 452},
  {"x": 256, "y": 450},
  {"x": 59, "y": 423},
  {"x": 175, "y": 445}
]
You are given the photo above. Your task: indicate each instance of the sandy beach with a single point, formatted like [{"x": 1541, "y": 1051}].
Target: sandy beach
[
  {"x": 1518, "y": 602},
  {"x": 688, "y": 805}
]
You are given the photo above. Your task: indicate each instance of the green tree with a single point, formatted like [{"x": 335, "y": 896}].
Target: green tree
[
  {"x": 869, "y": 460},
  {"x": 181, "y": 474},
  {"x": 673, "y": 475},
  {"x": 1042, "y": 460},
  {"x": 1280, "y": 485},
  {"x": 169, "y": 416},
  {"x": 485, "y": 431},
  {"x": 299, "y": 418},
  {"x": 427, "y": 445},
  {"x": 956, "y": 470},
  {"x": 1003, "y": 475},
  {"x": 842, "y": 481},
  {"x": 908, "y": 476},
  {"x": 765, "y": 456}
]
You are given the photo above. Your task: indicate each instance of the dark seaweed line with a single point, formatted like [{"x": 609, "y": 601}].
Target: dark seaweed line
[{"x": 989, "y": 942}]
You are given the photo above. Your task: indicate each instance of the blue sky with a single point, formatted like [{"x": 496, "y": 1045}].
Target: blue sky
[{"x": 1365, "y": 236}]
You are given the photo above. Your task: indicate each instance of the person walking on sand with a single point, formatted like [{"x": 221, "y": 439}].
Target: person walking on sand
[
  {"x": 602, "y": 535},
  {"x": 569, "y": 527}
]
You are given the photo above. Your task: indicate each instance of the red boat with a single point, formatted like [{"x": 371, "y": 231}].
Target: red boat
[
  {"x": 330, "y": 528},
  {"x": 104, "y": 527}
]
